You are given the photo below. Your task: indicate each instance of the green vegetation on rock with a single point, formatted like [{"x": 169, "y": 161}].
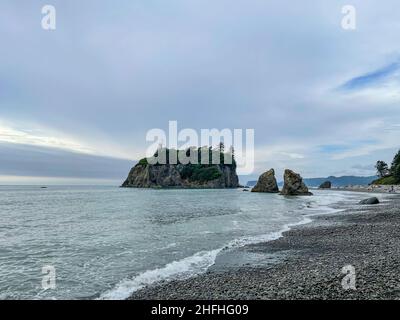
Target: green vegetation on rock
[
  {"x": 388, "y": 176},
  {"x": 143, "y": 162},
  {"x": 390, "y": 180},
  {"x": 200, "y": 172},
  {"x": 395, "y": 169}
]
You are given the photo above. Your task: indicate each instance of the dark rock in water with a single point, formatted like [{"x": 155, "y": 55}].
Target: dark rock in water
[
  {"x": 245, "y": 190},
  {"x": 326, "y": 185},
  {"x": 266, "y": 183},
  {"x": 294, "y": 185},
  {"x": 212, "y": 176},
  {"x": 373, "y": 200}
]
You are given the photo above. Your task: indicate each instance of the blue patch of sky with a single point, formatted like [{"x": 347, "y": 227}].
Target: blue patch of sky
[
  {"x": 373, "y": 78},
  {"x": 332, "y": 148},
  {"x": 336, "y": 148}
]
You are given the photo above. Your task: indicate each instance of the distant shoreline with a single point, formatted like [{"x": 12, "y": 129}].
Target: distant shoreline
[
  {"x": 370, "y": 189},
  {"x": 309, "y": 262}
]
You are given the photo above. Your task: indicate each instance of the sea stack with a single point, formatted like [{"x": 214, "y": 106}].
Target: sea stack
[
  {"x": 266, "y": 183},
  {"x": 294, "y": 185},
  {"x": 326, "y": 185},
  {"x": 195, "y": 176}
]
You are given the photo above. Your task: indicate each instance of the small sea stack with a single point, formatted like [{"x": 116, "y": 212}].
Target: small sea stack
[
  {"x": 325, "y": 185},
  {"x": 294, "y": 185},
  {"x": 266, "y": 183}
]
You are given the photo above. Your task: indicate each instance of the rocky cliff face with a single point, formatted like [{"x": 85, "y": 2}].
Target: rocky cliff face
[
  {"x": 294, "y": 185},
  {"x": 182, "y": 176},
  {"x": 266, "y": 183}
]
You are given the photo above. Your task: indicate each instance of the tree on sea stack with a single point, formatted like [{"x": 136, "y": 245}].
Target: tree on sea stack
[
  {"x": 221, "y": 147},
  {"x": 395, "y": 169},
  {"x": 396, "y": 159},
  {"x": 382, "y": 169},
  {"x": 396, "y": 173}
]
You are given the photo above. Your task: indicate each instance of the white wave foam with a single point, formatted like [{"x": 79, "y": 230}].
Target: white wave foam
[
  {"x": 181, "y": 269},
  {"x": 187, "y": 267}
]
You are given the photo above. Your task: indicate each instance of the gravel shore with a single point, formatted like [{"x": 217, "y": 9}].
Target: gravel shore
[{"x": 308, "y": 262}]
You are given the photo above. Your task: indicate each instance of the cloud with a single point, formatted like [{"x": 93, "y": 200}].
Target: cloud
[
  {"x": 368, "y": 167},
  {"x": 293, "y": 155},
  {"x": 334, "y": 148},
  {"x": 39, "y": 138},
  {"x": 110, "y": 73},
  {"x": 39, "y": 161}
]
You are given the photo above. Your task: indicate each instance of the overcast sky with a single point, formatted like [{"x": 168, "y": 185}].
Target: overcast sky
[{"x": 77, "y": 102}]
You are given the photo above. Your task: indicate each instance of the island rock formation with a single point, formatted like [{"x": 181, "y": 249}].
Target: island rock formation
[
  {"x": 207, "y": 176},
  {"x": 266, "y": 183},
  {"x": 294, "y": 185}
]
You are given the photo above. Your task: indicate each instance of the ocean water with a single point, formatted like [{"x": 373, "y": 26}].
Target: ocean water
[{"x": 107, "y": 242}]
